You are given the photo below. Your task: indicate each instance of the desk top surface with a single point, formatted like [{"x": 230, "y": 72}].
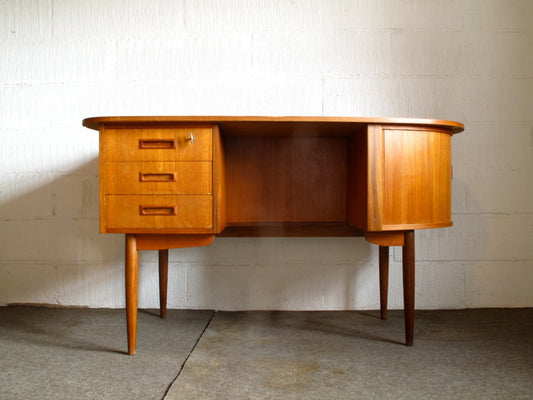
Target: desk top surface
[{"x": 95, "y": 122}]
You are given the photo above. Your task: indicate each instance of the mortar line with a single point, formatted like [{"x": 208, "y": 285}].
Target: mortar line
[{"x": 188, "y": 355}]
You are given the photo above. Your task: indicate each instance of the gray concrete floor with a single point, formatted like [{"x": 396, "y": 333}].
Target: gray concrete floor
[{"x": 80, "y": 353}]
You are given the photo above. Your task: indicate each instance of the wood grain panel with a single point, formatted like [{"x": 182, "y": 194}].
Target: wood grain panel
[
  {"x": 158, "y": 177},
  {"x": 169, "y": 241},
  {"x": 219, "y": 182},
  {"x": 294, "y": 229},
  {"x": 416, "y": 179},
  {"x": 286, "y": 179},
  {"x": 101, "y": 178},
  {"x": 375, "y": 169},
  {"x": 158, "y": 144},
  {"x": 357, "y": 204}
]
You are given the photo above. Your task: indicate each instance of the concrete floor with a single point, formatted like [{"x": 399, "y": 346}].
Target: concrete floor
[{"x": 79, "y": 353}]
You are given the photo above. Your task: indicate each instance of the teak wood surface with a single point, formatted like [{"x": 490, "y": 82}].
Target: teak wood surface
[{"x": 172, "y": 182}]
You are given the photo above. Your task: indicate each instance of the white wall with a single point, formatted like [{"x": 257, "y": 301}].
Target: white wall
[{"x": 64, "y": 60}]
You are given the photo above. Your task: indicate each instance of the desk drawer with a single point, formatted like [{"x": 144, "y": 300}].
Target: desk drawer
[
  {"x": 158, "y": 177},
  {"x": 158, "y": 212},
  {"x": 158, "y": 144}
]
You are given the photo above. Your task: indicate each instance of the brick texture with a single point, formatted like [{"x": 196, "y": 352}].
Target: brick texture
[{"x": 465, "y": 60}]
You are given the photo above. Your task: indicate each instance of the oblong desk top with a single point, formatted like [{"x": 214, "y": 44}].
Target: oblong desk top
[{"x": 95, "y": 122}]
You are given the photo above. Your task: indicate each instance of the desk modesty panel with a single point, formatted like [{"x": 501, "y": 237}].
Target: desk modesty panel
[{"x": 171, "y": 182}]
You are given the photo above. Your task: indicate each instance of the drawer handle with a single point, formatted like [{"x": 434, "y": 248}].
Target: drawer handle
[
  {"x": 158, "y": 143},
  {"x": 158, "y": 210},
  {"x": 191, "y": 138},
  {"x": 157, "y": 177}
]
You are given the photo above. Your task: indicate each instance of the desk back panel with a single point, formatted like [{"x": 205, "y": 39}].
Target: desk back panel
[{"x": 286, "y": 178}]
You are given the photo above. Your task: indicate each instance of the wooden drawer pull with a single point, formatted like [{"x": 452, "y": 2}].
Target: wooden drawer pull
[
  {"x": 157, "y": 177},
  {"x": 157, "y": 143},
  {"x": 158, "y": 210}
]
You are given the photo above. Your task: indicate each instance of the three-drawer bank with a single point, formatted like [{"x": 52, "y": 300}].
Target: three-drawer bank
[{"x": 157, "y": 180}]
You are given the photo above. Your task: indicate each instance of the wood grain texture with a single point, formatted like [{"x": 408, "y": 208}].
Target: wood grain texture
[
  {"x": 148, "y": 241},
  {"x": 286, "y": 179},
  {"x": 416, "y": 179},
  {"x": 284, "y": 229},
  {"x": 132, "y": 290},
  {"x": 375, "y": 160},
  {"x": 219, "y": 182},
  {"x": 409, "y": 178},
  {"x": 101, "y": 179},
  {"x": 385, "y": 238},
  {"x": 358, "y": 178}
]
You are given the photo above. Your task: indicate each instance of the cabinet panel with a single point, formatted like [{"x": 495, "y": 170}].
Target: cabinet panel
[
  {"x": 158, "y": 144},
  {"x": 159, "y": 213},
  {"x": 416, "y": 179},
  {"x": 158, "y": 177}
]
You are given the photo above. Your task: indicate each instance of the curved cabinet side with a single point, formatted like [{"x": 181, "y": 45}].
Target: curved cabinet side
[{"x": 409, "y": 179}]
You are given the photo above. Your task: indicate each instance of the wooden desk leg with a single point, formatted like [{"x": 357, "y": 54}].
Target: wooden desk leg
[
  {"x": 132, "y": 284},
  {"x": 408, "y": 261},
  {"x": 163, "y": 282},
  {"x": 383, "y": 279}
]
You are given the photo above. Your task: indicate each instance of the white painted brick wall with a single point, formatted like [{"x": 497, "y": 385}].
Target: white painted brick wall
[{"x": 64, "y": 60}]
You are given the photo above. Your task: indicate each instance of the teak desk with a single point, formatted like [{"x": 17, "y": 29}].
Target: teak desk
[{"x": 175, "y": 182}]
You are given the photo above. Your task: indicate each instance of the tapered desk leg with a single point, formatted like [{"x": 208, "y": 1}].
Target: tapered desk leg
[
  {"x": 163, "y": 282},
  {"x": 132, "y": 284},
  {"x": 408, "y": 260},
  {"x": 383, "y": 279}
]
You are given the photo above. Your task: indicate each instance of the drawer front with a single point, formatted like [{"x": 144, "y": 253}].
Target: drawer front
[
  {"x": 160, "y": 212},
  {"x": 193, "y": 177},
  {"x": 158, "y": 144}
]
